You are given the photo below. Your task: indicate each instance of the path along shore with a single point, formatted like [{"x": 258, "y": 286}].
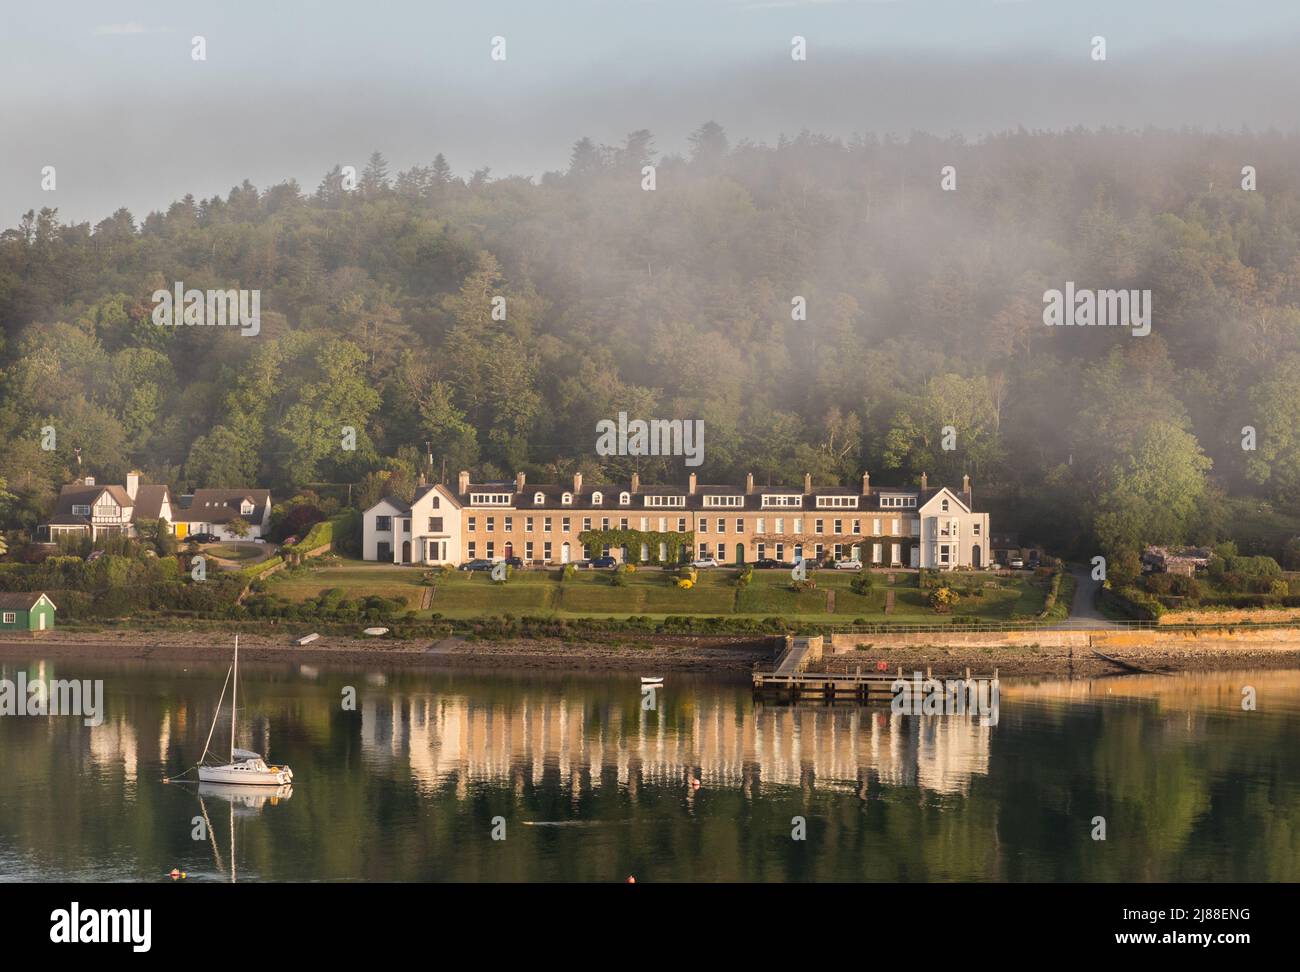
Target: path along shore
[{"x": 653, "y": 654}]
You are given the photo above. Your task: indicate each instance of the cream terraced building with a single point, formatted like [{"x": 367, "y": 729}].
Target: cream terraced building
[{"x": 882, "y": 526}]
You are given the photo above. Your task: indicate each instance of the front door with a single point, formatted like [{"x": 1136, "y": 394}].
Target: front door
[
  {"x": 384, "y": 551},
  {"x": 564, "y": 553},
  {"x": 406, "y": 551},
  {"x": 975, "y": 557},
  {"x": 740, "y": 553}
]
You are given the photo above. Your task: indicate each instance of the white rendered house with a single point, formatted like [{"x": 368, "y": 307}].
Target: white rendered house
[{"x": 425, "y": 531}]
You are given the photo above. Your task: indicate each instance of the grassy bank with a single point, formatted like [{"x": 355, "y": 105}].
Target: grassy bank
[{"x": 652, "y": 593}]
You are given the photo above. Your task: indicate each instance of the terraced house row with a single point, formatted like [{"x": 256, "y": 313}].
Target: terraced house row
[{"x": 896, "y": 526}]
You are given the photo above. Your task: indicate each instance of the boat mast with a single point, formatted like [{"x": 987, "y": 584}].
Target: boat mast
[{"x": 234, "y": 702}]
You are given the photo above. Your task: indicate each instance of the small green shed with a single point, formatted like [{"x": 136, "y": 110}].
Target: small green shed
[{"x": 29, "y": 611}]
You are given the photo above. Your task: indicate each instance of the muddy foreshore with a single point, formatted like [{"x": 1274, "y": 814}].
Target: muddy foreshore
[{"x": 640, "y": 653}]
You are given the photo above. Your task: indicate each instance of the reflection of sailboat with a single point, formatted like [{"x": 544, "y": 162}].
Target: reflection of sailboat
[
  {"x": 245, "y": 768},
  {"x": 248, "y": 799},
  {"x": 245, "y": 797}
]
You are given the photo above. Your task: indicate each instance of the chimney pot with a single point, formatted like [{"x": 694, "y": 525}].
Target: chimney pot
[{"x": 749, "y": 483}]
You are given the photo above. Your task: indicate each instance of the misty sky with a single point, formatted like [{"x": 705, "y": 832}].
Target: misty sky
[{"x": 108, "y": 93}]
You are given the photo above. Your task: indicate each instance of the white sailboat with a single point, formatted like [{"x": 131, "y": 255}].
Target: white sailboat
[{"x": 245, "y": 768}]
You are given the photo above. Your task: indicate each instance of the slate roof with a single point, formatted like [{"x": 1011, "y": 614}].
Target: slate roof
[
  {"x": 222, "y": 505},
  {"x": 20, "y": 600},
  {"x": 552, "y": 494}
]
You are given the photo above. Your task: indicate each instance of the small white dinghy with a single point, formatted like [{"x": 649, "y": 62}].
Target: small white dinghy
[
  {"x": 652, "y": 680},
  {"x": 245, "y": 768}
]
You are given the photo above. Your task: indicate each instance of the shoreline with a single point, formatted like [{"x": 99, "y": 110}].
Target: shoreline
[{"x": 705, "y": 654}]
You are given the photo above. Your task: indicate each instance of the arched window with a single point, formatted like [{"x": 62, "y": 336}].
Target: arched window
[
  {"x": 596, "y": 498},
  {"x": 538, "y": 499},
  {"x": 566, "y": 499},
  {"x": 624, "y": 498},
  {"x": 945, "y": 506}
]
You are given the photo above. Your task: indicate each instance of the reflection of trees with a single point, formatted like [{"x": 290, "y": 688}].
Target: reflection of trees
[{"x": 405, "y": 788}]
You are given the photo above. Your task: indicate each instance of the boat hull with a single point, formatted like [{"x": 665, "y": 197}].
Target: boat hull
[{"x": 234, "y": 776}]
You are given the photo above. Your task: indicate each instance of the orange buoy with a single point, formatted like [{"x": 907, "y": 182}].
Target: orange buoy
[
  {"x": 175, "y": 874},
  {"x": 631, "y": 879}
]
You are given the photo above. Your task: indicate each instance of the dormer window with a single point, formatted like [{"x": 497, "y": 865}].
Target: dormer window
[
  {"x": 596, "y": 498},
  {"x": 246, "y": 507},
  {"x": 624, "y": 498},
  {"x": 771, "y": 500},
  {"x": 663, "y": 500},
  {"x": 567, "y": 499},
  {"x": 490, "y": 499}
]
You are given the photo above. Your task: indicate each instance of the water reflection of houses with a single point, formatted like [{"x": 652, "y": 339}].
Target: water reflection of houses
[{"x": 721, "y": 740}]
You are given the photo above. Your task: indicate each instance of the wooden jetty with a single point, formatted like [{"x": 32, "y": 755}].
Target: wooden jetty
[
  {"x": 853, "y": 688},
  {"x": 791, "y": 681}
]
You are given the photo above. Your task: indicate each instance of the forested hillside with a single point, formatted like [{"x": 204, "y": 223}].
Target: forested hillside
[{"x": 924, "y": 309}]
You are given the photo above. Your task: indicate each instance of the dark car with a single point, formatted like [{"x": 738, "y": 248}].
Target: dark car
[
  {"x": 204, "y": 537},
  {"x": 602, "y": 562},
  {"x": 767, "y": 563},
  {"x": 478, "y": 564},
  {"x": 516, "y": 562}
]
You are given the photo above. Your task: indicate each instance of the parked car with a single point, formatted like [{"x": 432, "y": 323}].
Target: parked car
[
  {"x": 1017, "y": 563},
  {"x": 477, "y": 564},
  {"x": 601, "y": 562},
  {"x": 259, "y": 540},
  {"x": 704, "y": 563},
  {"x": 516, "y": 562},
  {"x": 766, "y": 563},
  {"x": 204, "y": 537},
  {"x": 848, "y": 565}
]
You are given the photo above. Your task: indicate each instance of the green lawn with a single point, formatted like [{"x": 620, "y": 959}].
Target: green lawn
[
  {"x": 652, "y": 592},
  {"x": 395, "y": 582},
  {"x": 231, "y": 551}
]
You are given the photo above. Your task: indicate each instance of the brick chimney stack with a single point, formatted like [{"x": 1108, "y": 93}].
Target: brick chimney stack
[
  {"x": 577, "y": 483},
  {"x": 462, "y": 482},
  {"x": 636, "y": 482},
  {"x": 965, "y": 487},
  {"x": 866, "y": 484},
  {"x": 925, "y": 482},
  {"x": 691, "y": 487},
  {"x": 807, "y": 482},
  {"x": 749, "y": 483},
  {"x": 519, "y": 482}
]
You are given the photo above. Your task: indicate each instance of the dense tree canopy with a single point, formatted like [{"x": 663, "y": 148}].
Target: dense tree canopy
[{"x": 493, "y": 322}]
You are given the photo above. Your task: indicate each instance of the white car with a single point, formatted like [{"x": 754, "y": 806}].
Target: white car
[
  {"x": 704, "y": 563},
  {"x": 848, "y": 565}
]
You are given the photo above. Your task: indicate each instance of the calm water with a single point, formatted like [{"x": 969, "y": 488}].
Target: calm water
[{"x": 593, "y": 788}]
